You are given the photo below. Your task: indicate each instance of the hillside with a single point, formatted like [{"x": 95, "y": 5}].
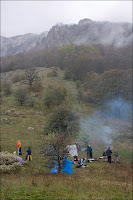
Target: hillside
[{"x": 34, "y": 181}]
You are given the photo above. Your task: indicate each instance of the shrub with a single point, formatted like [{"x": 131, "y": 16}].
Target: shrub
[
  {"x": 53, "y": 74},
  {"x": 54, "y": 96},
  {"x": 69, "y": 76},
  {"x": 30, "y": 100},
  {"x": 9, "y": 163},
  {"x": 21, "y": 95},
  {"x": 15, "y": 78},
  {"x": 22, "y": 76},
  {"x": 6, "y": 88},
  {"x": 37, "y": 87}
]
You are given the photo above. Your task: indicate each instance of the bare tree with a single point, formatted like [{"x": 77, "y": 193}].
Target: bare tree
[{"x": 31, "y": 76}]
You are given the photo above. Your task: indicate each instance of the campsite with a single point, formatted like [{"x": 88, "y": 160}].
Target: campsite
[{"x": 66, "y": 100}]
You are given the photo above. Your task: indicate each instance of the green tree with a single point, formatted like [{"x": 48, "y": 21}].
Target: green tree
[
  {"x": 21, "y": 95},
  {"x": 54, "y": 96},
  {"x": 61, "y": 125}
]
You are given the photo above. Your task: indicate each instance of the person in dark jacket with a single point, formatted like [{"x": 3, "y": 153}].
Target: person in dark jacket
[
  {"x": 29, "y": 157},
  {"x": 109, "y": 152},
  {"x": 20, "y": 151},
  {"x": 89, "y": 152}
]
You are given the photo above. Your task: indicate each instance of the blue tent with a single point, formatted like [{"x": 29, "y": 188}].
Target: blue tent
[
  {"x": 55, "y": 169},
  {"x": 67, "y": 167}
]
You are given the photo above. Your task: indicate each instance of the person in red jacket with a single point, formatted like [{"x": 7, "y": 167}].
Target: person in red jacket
[{"x": 18, "y": 146}]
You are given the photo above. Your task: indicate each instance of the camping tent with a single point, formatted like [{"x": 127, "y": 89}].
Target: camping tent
[{"x": 72, "y": 150}]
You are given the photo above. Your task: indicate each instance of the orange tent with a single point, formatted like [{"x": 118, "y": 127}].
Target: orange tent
[{"x": 18, "y": 144}]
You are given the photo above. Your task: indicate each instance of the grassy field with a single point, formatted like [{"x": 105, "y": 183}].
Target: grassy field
[{"x": 99, "y": 180}]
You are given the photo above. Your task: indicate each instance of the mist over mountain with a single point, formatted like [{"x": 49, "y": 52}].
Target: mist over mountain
[
  {"x": 20, "y": 43},
  {"x": 86, "y": 32}
]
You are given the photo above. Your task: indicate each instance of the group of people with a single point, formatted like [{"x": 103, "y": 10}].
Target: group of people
[
  {"x": 108, "y": 153},
  {"x": 28, "y": 156}
]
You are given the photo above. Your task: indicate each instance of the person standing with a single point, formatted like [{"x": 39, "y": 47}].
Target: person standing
[
  {"x": 18, "y": 146},
  {"x": 29, "y": 156},
  {"x": 115, "y": 153},
  {"x": 89, "y": 152},
  {"x": 109, "y": 152}
]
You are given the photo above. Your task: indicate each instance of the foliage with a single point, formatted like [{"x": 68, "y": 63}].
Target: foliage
[
  {"x": 62, "y": 124},
  {"x": 21, "y": 95},
  {"x": 8, "y": 163},
  {"x": 30, "y": 100},
  {"x": 52, "y": 74},
  {"x": 62, "y": 120},
  {"x": 6, "y": 86},
  {"x": 69, "y": 76},
  {"x": 37, "y": 86},
  {"x": 54, "y": 96},
  {"x": 15, "y": 78},
  {"x": 108, "y": 85},
  {"x": 79, "y": 60}
]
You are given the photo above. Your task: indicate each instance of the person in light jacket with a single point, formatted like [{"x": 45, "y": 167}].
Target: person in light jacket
[{"x": 115, "y": 153}]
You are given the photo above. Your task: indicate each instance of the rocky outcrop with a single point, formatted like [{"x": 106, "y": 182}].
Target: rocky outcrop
[
  {"x": 21, "y": 43},
  {"x": 86, "y": 32}
]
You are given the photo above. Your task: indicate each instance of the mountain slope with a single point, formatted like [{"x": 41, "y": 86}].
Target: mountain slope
[
  {"x": 89, "y": 32},
  {"x": 86, "y": 32},
  {"x": 21, "y": 43}
]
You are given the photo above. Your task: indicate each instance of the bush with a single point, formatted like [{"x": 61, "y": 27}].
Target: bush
[
  {"x": 54, "y": 96},
  {"x": 69, "y": 76},
  {"x": 9, "y": 163},
  {"x": 53, "y": 74},
  {"x": 6, "y": 88},
  {"x": 22, "y": 76},
  {"x": 21, "y": 95},
  {"x": 30, "y": 100},
  {"x": 37, "y": 87},
  {"x": 15, "y": 78}
]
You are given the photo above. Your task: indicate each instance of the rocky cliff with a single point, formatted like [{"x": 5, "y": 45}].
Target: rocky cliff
[
  {"x": 21, "y": 43},
  {"x": 85, "y": 32}
]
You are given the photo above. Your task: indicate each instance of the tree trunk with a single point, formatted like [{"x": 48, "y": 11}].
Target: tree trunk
[{"x": 59, "y": 168}]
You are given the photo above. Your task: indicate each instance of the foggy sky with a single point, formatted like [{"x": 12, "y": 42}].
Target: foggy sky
[{"x": 20, "y": 17}]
